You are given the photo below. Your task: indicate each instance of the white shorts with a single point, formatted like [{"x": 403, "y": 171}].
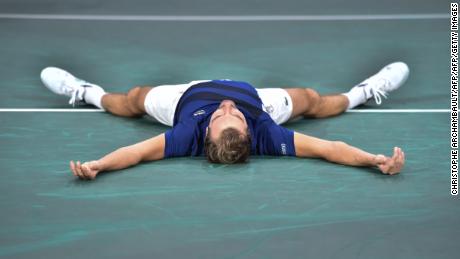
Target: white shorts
[{"x": 161, "y": 102}]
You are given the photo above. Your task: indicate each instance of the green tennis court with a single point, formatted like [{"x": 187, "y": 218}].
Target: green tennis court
[{"x": 271, "y": 207}]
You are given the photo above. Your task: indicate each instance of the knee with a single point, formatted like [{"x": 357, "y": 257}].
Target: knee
[
  {"x": 134, "y": 101},
  {"x": 313, "y": 100}
]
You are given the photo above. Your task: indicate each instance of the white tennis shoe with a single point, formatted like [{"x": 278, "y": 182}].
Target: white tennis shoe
[
  {"x": 388, "y": 79},
  {"x": 62, "y": 82}
]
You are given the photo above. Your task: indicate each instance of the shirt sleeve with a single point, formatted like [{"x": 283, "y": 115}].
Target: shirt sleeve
[
  {"x": 276, "y": 140},
  {"x": 179, "y": 141}
]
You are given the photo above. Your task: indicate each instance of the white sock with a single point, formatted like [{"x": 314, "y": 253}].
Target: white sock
[
  {"x": 356, "y": 96},
  {"x": 93, "y": 95}
]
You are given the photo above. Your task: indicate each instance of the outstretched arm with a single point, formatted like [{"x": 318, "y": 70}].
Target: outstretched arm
[
  {"x": 148, "y": 150},
  {"x": 342, "y": 153}
]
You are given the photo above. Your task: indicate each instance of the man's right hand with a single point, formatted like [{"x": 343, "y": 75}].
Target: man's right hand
[
  {"x": 86, "y": 171},
  {"x": 147, "y": 150}
]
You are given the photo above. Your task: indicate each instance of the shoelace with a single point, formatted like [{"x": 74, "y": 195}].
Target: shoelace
[
  {"x": 74, "y": 89},
  {"x": 77, "y": 95},
  {"x": 379, "y": 90}
]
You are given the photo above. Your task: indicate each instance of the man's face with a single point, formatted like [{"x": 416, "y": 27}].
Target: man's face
[{"x": 227, "y": 116}]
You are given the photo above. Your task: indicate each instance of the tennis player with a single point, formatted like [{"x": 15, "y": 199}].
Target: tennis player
[{"x": 227, "y": 121}]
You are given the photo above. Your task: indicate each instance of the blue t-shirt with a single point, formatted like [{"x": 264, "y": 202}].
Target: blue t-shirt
[{"x": 196, "y": 106}]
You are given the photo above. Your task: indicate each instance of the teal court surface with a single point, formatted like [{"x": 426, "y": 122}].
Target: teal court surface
[{"x": 187, "y": 208}]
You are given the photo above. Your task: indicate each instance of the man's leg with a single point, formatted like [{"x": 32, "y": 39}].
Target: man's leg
[
  {"x": 62, "y": 82},
  {"x": 308, "y": 103},
  {"x": 130, "y": 104}
]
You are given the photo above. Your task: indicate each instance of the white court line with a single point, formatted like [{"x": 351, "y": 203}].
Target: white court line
[
  {"x": 399, "y": 110},
  {"x": 48, "y": 110},
  {"x": 224, "y": 18},
  {"x": 353, "y": 111}
]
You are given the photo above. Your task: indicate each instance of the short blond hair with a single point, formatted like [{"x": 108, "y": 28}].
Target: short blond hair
[{"x": 231, "y": 147}]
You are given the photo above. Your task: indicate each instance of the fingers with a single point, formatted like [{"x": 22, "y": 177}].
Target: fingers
[
  {"x": 83, "y": 171},
  {"x": 75, "y": 167},
  {"x": 395, "y": 153},
  {"x": 72, "y": 168},
  {"x": 399, "y": 157},
  {"x": 400, "y": 160},
  {"x": 392, "y": 165},
  {"x": 79, "y": 171},
  {"x": 397, "y": 162}
]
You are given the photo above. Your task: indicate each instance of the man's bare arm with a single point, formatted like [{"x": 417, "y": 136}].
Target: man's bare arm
[
  {"x": 148, "y": 150},
  {"x": 342, "y": 153}
]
